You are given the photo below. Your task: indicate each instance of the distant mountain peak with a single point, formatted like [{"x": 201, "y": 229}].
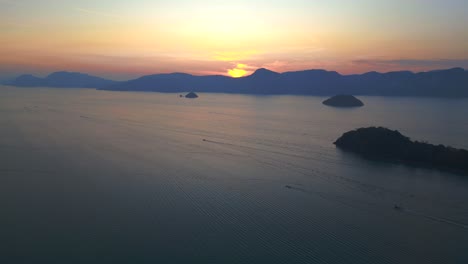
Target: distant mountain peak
[
  {"x": 371, "y": 73},
  {"x": 67, "y": 74},
  {"x": 26, "y": 75},
  {"x": 62, "y": 72},
  {"x": 179, "y": 74},
  {"x": 265, "y": 70},
  {"x": 262, "y": 72}
]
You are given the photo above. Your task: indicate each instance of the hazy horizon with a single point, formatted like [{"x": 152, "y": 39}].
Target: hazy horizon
[
  {"x": 139, "y": 76},
  {"x": 122, "y": 40}
]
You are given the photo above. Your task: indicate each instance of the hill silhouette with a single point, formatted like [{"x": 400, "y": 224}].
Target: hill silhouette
[
  {"x": 439, "y": 83},
  {"x": 62, "y": 79}
]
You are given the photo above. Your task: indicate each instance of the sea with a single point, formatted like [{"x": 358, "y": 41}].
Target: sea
[{"x": 90, "y": 176}]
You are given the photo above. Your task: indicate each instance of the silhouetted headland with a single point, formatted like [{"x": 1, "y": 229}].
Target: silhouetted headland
[
  {"x": 343, "y": 101},
  {"x": 191, "y": 95},
  {"x": 390, "y": 145}
]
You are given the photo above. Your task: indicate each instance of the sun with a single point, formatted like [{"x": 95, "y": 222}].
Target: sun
[{"x": 238, "y": 71}]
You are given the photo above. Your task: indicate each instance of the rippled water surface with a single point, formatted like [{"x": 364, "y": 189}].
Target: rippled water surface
[{"x": 106, "y": 177}]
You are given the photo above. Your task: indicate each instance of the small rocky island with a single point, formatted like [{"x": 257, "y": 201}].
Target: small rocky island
[
  {"x": 390, "y": 145},
  {"x": 191, "y": 95},
  {"x": 343, "y": 101}
]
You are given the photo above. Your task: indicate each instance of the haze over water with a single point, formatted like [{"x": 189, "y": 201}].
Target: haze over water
[{"x": 107, "y": 177}]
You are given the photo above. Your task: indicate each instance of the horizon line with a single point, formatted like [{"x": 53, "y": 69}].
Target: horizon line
[{"x": 262, "y": 68}]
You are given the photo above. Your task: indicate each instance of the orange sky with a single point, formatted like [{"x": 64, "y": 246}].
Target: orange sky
[{"x": 125, "y": 39}]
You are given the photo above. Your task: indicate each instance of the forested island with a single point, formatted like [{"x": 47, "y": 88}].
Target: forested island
[{"x": 390, "y": 145}]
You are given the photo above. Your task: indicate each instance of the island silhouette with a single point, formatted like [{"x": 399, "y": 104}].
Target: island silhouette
[
  {"x": 191, "y": 95},
  {"x": 381, "y": 143},
  {"x": 343, "y": 100}
]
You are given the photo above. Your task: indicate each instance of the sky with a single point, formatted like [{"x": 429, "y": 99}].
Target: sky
[{"x": 124, "y": 39}]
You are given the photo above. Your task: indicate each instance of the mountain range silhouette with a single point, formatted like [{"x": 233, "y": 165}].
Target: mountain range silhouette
[
  {"x": 61, "y": 79},
  {"x": 439, "y": 83}
]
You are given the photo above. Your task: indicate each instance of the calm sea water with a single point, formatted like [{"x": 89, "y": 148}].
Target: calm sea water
[{"x": 106, "y": 177}]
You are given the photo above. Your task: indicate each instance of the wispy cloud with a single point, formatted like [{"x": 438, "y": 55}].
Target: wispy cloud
[
  {"x": 414, "y": 62},
  {"x": 96, "y": 13},
  {"x": 232, "y": 56},
  {"x": 9, "y": 2},
  {"x": 17, "y": 25}
]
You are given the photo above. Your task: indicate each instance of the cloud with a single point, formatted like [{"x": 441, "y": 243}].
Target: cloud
[
  {"x": 8, "y": 24},
  {"x": 121, "y": 67},
  {"x": 275, "y": 64},
  {"x": 413, "y": 63},
  {"x": 234, "y": 55},
  {"x": 97, "y": 13},
  {"x": 9, "y": 2}
]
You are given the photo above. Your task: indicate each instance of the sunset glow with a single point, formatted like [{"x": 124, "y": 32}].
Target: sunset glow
[
  {"x": 236, "y": 73},
  {"x": 122, "y": 39},
  {"x": 239, "y": 71}
]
